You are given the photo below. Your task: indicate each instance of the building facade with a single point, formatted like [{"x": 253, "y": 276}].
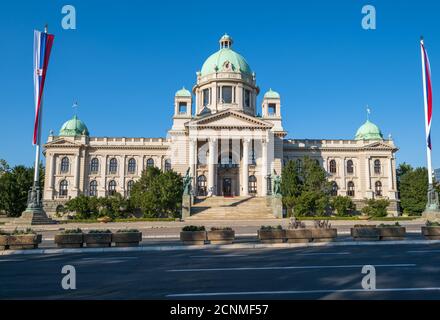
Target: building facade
[{"x": 227, "y": 146}]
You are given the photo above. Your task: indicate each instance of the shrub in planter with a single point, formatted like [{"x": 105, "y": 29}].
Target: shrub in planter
[
  {"x": 24, "y": 239},
  {"x": 270, "y": 234},
  {"x": 72, "y": 238},
  {"x": 431, "y": 230},
  {"x": 392, "y": 232},
  {"x": 4, "y": 236},
  {"x": 297, "y": 232},
  {"x": 127, "y": 238},
  {"x": 221, "y": 235},
  {"x": 323, "y": 231},
  {"x": 193, "y": 235},
  {"x": 98, "y": 238},
  {"x": 365, "y": 233}
]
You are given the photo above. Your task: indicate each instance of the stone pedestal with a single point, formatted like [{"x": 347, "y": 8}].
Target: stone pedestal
[
  {"x": 277, "y": 206},
  {"x": 432, "y": 211},
  {"x": 186, "y": 206}
]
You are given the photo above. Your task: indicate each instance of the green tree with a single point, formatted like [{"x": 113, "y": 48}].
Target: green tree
[
  {"x": 82, "y": 207},
  {"x": 413, "y": 190},
  {"x": 376, "y": 207},
  {"x": 342, "y": 205}
]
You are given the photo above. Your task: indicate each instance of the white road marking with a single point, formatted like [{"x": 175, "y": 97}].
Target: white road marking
[
  {"x": 423, "y": 251},
  {"x": 220, "y": 256},
  {"x": 110, "y": 258},
  {"x": 402, "y": 265},
  {"x": 212, "y": 294},
  {"x": 322, "y": 253}
]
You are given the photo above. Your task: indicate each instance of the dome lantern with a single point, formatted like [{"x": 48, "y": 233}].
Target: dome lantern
[{"x": 226, "y": 41}]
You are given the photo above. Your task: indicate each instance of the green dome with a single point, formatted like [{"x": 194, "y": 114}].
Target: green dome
[
  {"x": 74, "y": 127},
  {"x": 217, "y": 61},
  {"x": 271, "y": 95},
  {"x": 183, "y": 93},
  {"x": 369, "y": 131}
]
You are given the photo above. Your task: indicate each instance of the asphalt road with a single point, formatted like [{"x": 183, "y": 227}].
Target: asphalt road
[{"x": 402, "y": 272}]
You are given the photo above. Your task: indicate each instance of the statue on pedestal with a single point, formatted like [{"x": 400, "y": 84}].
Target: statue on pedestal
[
  {"x": 187, "y": 183},
  {"x": 276, "y": 185}
]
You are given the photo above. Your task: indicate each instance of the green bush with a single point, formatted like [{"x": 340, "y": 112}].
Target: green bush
[
  {"x": 311, "y": 203},
  {"x": 193, "y": 228},
  {"x": 221, "y": 229},
  {"x": 342, "y": 205},
  {"x": 17, "y": 232},
  {"x": 72, "y": 231},
  {"x": 376, "y": 207},
  {"x": 127, "y": 231},
  {"x": 271, "y": 228},
  {"x": 383, "y": 225},
  {"x": 99, "y": 231},
  {"x": 432, "y": 224}
]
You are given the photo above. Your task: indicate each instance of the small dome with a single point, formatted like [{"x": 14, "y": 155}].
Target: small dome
[
  {"x": 74, "y": 127},
  {"x": 225, "y": 59},
  {"x": 183, "y": 93},
  {"x": 369, "y": 131},
  {"x": 271, "y": 94}
]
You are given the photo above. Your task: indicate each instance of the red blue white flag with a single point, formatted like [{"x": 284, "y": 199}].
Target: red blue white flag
[
  {"x": 42, "y": 47},
  {"x": 427, "y": 94}
]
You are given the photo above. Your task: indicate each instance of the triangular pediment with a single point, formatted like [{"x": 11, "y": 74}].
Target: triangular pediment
[
  {"x": 61, "y": 142},
  {"x": 379, "y": 145},
  {"x": 229, "y": 119}
]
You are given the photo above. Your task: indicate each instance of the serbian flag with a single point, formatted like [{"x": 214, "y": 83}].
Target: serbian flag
[
  {"x": 427, "y": 87},
  {"x": 42, "y": 46}
]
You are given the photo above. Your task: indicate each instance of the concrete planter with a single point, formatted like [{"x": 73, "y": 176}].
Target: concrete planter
[
  {"x": 431, "y": 233},
  {"x": 127, "y": 239},
  {"x": 193, "y": 237},
  {"x": 298, "y": 235},
  {"x": 365, "y": 233},
  {"x": 221, "y": 236},
  {"x": 392, "y": 233},
  {"x": 24, "y": 241},
  {"x": 98, "y": 240},
  {"x": 324, "y": 235},
  {"x": 4, "y": 242},
  {"x": 69, "y": 240},
  {"x": 271, "y": 236}
]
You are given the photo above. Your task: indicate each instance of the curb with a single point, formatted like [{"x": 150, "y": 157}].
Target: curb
[{"x": 210, "y": 246}]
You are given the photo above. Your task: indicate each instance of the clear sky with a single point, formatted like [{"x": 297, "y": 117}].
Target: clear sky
[{"x": 126, "y": 59}]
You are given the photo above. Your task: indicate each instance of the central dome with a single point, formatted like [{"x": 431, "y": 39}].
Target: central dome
[{"x": 225, "y": 59}]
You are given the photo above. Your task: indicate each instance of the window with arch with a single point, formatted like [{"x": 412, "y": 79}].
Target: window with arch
[
  {"x": 332, "y": 166},
  {"x": 350, "y": 168},
  {"x": 131, "y": 165},
  {"x": 350, "y": 189},
  {"x": 377, "y": 167},
  {"x": 112, "y": 188},
  {"x": 113, "y": 165},
  {"x": 63, "y": 188},
  {"x": 129, "y": 187},
  {"x": 334, "y": 190},
  {"x": 167, "y": 165},
  {"x": 150, "y": 163},
  {"x": 252, "y": 184},
  {"x": 65, "y": 164},
  {"x": 93, "y": 188},
  {"x": 378, "y": 188},
  {"x": 201, "y": 185},
  {"x": 94, "y": 165}
]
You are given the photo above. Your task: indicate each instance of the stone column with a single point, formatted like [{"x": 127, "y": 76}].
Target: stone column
[
  {"x": 245, "y": 169},
  {"x": 264, "y": 168},
  {"x": 368, "y": 192},
  {"x": 52, "y": 171},
  {"x": 192, "y": 158},
  {"x": 211, "y": 165},
  {"x": 122, "y": 175},
  {"x": 76, "y": 173},
  {"x": 103, "y": 164},
  {"x": 390, "y": 174},
  {"x": 343, "y": 170}
]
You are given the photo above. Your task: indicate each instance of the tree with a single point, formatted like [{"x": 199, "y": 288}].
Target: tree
[
  {"x": 157, "y": 193},
  {"x": 376, "y": 207},
  {"x": 413, "y": 190},
  {"x": 342, "y": 205},
  {"x": 4, "y": 166}
]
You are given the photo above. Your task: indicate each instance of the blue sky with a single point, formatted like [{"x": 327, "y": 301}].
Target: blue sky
[{"x": 126, "y": 59}]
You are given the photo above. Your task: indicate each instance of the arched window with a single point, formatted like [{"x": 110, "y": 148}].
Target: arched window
[
  {"x": 63, "y": 188},
  {"x": 131, "y": 165},
  {"x": 350, "y": 189},
  {"x": 377, "y": 166},
  {"x": 167, "y": 165},
  {"x": 378, "y": 188},
  {"x": 129, "y": 187},
  {"x": 201, "y": 185},
  {"x": 113, "y": 165},
  {"x": 332, "y": 166},
  {"x": 93, "y": 191},
  {"x": 65, "y": 164},
  {"x": 94, "y": 165},
  {"x": 252, "y": 184},
  {"x": 112, "y": 188},
  {"x": 334, "y": 190},
  {"x": 350, "y": 169},
  {"x": 150, "y": 163}
]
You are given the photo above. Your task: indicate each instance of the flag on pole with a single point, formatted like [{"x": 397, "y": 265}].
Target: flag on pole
[
  {"x": 42, "y": 47},
  {"x": 427, "y": 93}
]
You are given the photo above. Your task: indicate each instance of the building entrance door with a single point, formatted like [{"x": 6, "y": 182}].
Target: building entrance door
[{"x": 227, "y": 187}]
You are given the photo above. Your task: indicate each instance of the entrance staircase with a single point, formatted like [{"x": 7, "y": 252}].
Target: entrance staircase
[{"x": 236, "y": 208}]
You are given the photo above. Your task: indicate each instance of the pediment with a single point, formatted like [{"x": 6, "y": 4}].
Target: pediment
[
  {"x": 61, "y": 142},
  {"x": 230, "y": 119},
  {"x": 379, "y": 145}
]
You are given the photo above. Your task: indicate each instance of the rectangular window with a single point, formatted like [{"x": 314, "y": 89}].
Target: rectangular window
[
  {"x": 227, "y": 94},
  {"x": 182, "y": 107},
  {"x": 206, "y": 97},
  {"x": 247, "y": 98},
  {"x": 272, "y": 109}
]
